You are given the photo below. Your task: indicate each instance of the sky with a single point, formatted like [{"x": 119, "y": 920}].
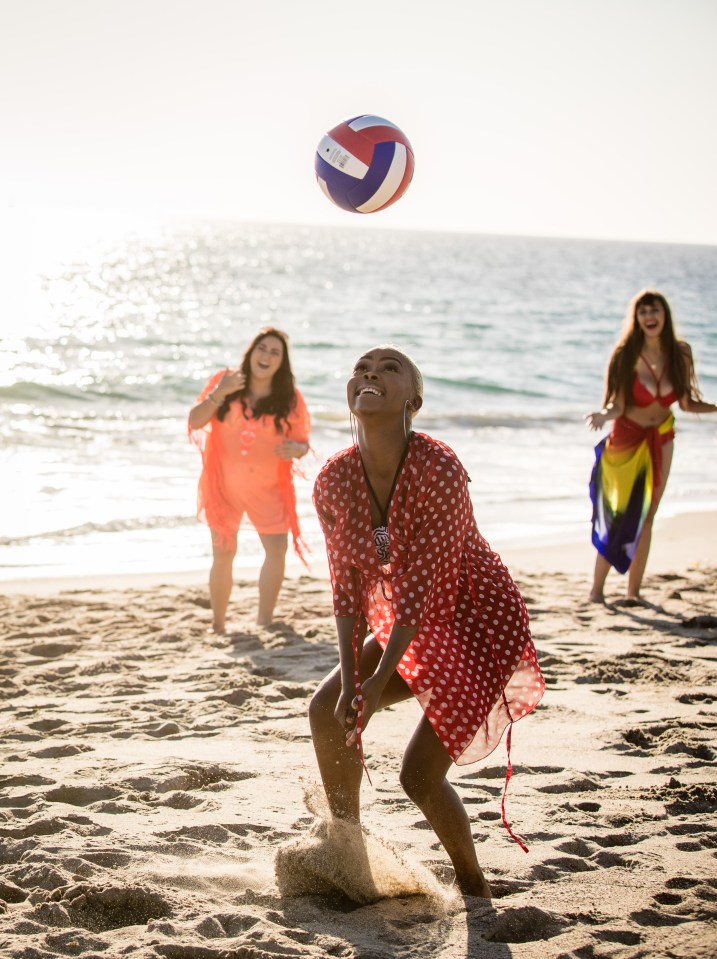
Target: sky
[{"x": 577, "y": 118}]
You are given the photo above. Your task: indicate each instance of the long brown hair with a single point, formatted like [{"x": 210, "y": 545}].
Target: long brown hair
[
  {"x": 282, "y": 399},
  {"x": 621, "y": 368}
]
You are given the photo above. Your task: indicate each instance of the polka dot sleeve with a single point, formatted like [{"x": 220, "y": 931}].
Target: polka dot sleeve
[
  {"x": 427, "y": 571},
  {"x": 330, "y": 499}
]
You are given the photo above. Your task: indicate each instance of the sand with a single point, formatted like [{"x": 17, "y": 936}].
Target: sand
[{"x": 159, "y": 796}]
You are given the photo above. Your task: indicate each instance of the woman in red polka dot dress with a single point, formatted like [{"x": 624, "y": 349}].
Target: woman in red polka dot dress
[{"x": 447, "y": 623}]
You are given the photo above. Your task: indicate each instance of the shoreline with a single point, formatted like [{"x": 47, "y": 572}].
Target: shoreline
[{"x": 680, "y": 542}]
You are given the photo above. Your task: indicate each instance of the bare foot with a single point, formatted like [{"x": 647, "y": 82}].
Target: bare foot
[
  {"x": 264, "y": 620},
  {"x": 475, "y": 886},
  {"x": 219, "y": 629},
  {"x": 596, "y": 597}
]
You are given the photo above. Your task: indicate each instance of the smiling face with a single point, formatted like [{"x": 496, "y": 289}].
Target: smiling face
[
  {"x": 383, "y": 381},
  {"x": 650, "y": 316},
  {"x": 266, "y": 358}
]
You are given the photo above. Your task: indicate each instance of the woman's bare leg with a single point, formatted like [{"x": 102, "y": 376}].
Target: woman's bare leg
[
  {"x": 602, "y": 568},
  {"x": 220, "y": 581},
  {"x": 423, "y": 777},
  {"x": 271, "y": 575},
  {"x": 339, "y": 765},
  {"x": 642, "y": 551}
]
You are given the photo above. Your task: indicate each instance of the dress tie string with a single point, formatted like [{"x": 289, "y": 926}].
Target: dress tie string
[
  {"x": 508, "y": 739},
  {"x": 358, "y": 625}
]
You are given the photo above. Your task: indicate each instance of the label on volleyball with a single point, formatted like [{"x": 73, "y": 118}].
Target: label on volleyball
[{"x": 340, "y": 159}]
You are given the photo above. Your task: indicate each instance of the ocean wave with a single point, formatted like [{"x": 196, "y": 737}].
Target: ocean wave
[
  {"x": 132, "y": 525},
  {"x": 25, "y": 391},
  {"x": 523, "y": 419},
  {"x": 491, "y": 388}
]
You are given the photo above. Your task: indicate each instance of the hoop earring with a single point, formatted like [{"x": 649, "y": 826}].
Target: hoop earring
[{"x": 407, "y": 422}]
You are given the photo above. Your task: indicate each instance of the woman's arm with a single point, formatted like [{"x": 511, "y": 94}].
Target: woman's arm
[
  {"x": 344, "y": 631},
  {"x": 687, "y": 403},
  {"x": 373, "y": 687},
  {"x": 296, "y": 444},
  {"x": 205, "y": 409},
  {"x": 697, "y": 406},
  {"x": 614, "y": 409},
  {"x": 291, "y": 449},
  {"x": 345, "y": 712},
  {"x": 398, "y": 642}
]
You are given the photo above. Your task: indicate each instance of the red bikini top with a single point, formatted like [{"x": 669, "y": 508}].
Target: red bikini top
[{"x": 641, "y": 396}]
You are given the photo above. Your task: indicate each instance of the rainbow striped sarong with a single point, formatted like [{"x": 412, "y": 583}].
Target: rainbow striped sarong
[{"x": 623, "y": 482}]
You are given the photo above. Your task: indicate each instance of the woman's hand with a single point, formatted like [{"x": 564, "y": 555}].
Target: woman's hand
[
  {"x": 231, "y": 382},
  {"x": 291, "y": 449},
  {"x": 345, "y": 714},
  {"x": 596, "y": 420},
  {"x": 371, "y": 691}
]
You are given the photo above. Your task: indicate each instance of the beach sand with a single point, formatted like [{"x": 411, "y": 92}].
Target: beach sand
[{"x": 159, "y": 795}]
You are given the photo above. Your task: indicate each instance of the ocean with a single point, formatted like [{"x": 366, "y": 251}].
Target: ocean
[{"x": 104, "y": 353}]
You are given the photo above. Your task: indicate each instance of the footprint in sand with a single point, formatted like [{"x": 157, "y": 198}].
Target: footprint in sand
[
  {"x": 81, "y": 795},
  {"x": 107, "y": 858},
  {"x": 48, "y": 725},
  {"x": 7, "y": 782},
  {"x": 654, "y": 917},
  {"x": 624, "y": 937},
  {"x": 684, "y": 799},
  {"x": 570, "y": 864},
  {"x": 57, "y": 752},
  {"x": 52, "y": 650},
  {"x": 40, "y": 827},
  {"x": 34, "y": 876},
  {"x": 576, "y": 847},
  {"x": 690, "y": 828},
  {"x": 189, "y": 777},
  {"x": 676, "y": 738},
  {"x": 525, "y": 924},
  {"x": 9, "y": 892},
  {"x": 617, "y": 839},
  {"x": 692, "y": 898},
  {"x": 99, "y": 908},
  {"x": 580, "y": 785},
  {"x": 690, "y": 699}
]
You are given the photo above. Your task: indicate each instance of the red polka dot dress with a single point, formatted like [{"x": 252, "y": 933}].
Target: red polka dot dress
[{"x": 472, "y": 664}]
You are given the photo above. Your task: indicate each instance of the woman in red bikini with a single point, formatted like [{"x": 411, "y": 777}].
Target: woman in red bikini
[
  {"x": 649, "y": 370},
  {"x": 250, "y": 424},
  {"x": 448, "y": 625}
]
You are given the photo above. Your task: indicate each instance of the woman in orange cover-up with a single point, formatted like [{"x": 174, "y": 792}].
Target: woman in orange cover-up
[
  {"x": 649, "y": 370},
  {"x": 250, "y": 424},
  {"x": 448, "y": 625}
]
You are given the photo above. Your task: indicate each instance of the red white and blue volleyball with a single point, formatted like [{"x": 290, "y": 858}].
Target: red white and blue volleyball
[{"x": 364, "y": 164}]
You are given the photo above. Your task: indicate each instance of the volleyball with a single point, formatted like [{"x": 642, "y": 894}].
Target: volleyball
[{"x": 364, "y": 164}]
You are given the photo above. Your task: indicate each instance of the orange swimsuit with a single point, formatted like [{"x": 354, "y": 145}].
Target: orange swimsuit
[{"x": 241, "y": 473}]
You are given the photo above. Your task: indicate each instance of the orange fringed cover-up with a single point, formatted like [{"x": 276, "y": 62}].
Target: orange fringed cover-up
[{"x": 241, "y": 472}]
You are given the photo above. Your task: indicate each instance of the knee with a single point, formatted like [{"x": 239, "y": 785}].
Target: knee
[
  {"x": 282, "y": 546},
  {"x": 222, "y": 556},
  {"x": 415, "y": 783},
  {"x": 321, "y": 707},
  {"x": 275, "y": 546}
]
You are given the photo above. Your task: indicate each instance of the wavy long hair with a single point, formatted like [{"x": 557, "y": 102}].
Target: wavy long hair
[
  {"x": 621, "y": 368},
  {"x": 282, "y": 399}
]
